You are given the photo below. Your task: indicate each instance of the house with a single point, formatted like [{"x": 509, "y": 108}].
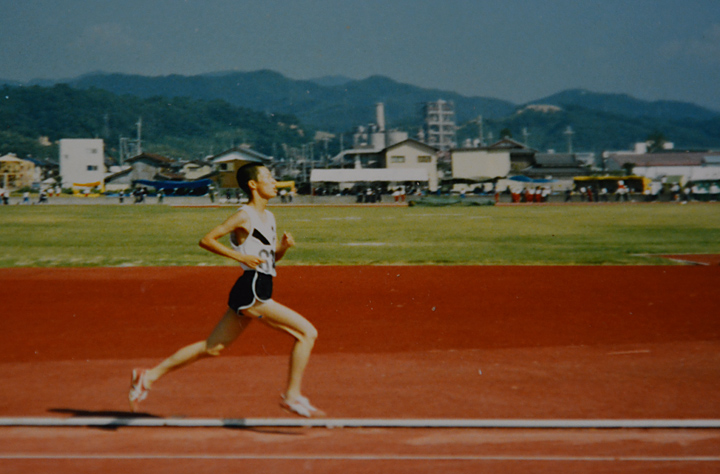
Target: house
[
  {"x": 521, "y": 156},
  {"x": 560, "y": 165},
  {"x": 145, "y": 166},
  {"x": 46, "y": 171},
  {"x": 479, "y": 164},
  {"x": 15, "y": 172},
  {"x": 680, "y": 167},
  {"x": 412, "y": 154},
  {"x": 118, "y": 180},
  {"x": 148, "y": 166},
  {"x": 228, "y": 162},
  {"x": 196, "y": 169},
  {"x": 403, "y": 162},
  {"x": 82, "y": 162},
  {"x": 366, "y": 157}
]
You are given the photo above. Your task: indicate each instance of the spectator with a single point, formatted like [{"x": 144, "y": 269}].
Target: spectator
[{"x": 714, "y": 191}]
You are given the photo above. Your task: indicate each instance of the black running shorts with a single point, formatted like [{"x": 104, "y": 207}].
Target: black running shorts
[{"x": 252, "y": 286}]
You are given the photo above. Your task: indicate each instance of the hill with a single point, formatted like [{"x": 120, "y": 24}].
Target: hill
[
  {"x": 623, "y": 104},
  {"x": 329, "y": 81},
  {"x": 316, "y": 101},
  {"x": 339, "y": 104},
  {"x": 336, "y": 108},
  {"x": 595, "y": 130},
  {"x": 177, "y": 127}
]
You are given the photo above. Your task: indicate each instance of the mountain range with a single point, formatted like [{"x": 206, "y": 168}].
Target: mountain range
[{"x": 338, "y": 104}]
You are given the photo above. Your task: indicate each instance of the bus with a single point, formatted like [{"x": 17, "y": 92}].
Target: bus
[{"x": 634, "y": 184}]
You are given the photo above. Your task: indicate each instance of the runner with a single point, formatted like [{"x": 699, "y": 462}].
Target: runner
[{"x": 254, "y": 245}]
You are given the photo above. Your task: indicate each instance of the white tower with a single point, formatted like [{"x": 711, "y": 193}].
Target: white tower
[
  {"x": 440, "y": 124},
  {"x": 380, "y": 116}
]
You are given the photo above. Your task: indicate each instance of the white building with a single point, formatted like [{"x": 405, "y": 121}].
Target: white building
[
  {"x": 412, "y": 154},
  {"x": 82, "y": 162},
  {"x": 407, "y": 161},
  {"x": 480, "y": 164},
  {"x": 680, "y": 166}
]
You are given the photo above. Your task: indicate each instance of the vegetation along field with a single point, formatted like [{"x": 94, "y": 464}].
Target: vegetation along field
[{"x": 48, "y": 236}]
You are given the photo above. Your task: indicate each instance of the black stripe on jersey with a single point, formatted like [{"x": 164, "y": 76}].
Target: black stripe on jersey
[{"x": 256, "y": 233}]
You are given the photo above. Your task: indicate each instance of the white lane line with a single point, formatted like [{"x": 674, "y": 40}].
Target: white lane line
[
  {"x": 358, "y": 422},
  {"x": 359, "y": 457},
  {"x": 639, "y": 351}
]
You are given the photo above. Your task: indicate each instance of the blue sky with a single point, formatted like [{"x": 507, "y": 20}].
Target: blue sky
[{"x": 517, "y": 50}]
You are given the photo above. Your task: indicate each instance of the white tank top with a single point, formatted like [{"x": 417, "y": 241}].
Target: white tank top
[{"x": 260, "y": 242}]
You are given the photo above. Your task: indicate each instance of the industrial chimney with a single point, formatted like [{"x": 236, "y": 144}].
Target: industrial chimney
[{"x": 380, "y": 116}]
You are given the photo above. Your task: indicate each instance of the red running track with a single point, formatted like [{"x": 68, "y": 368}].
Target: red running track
[{"x": 395, "y": 342}]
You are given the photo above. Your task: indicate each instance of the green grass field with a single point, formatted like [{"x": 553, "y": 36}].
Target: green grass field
[{"x": 49, "y": 236}]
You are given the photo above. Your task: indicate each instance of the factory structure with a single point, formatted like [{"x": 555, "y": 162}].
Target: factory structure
[
  {"x": 376, "y": 136},
  {"x": 439, "y": 130},
  {"x": 440, "y": 127},
  {"x": 382, "y": 155}
]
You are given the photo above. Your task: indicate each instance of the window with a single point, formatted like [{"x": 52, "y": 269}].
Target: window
[
  {"x": 92, "y": 168},
  {"x": 397, "y": 159},
  {"x": 424, "y": 159}
]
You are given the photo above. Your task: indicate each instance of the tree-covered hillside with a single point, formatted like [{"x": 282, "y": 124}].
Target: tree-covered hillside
[
  {"x": 593, "y": 130},
  {"x": 176, "y": 127},
  {"x": 192, "y": 117},
  {"x": 335, "y": 108}
]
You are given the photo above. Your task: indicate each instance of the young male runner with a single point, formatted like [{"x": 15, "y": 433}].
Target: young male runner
[{"x": 254, "y": 244}]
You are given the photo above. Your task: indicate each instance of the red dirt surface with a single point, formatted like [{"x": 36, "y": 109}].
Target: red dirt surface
[
  {"x": 134, "y": 313},
  {"x": 395, "y": 342}
]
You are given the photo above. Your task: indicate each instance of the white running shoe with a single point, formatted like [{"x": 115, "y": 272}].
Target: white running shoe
[
  {"x": 306, "y": 403},
  {"x": 138, "y": 390},
  {"x": 301, "y": 406}
]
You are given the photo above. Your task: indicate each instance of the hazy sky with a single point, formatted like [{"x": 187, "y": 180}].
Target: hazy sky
[{"x": 518, "y": 50}]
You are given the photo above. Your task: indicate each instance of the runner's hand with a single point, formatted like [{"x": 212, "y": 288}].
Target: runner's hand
[
  {"x": 287, "y": 240},
  {"x": 251, "y": 261}
]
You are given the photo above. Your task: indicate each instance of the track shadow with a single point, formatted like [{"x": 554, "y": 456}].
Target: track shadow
[
  {"x": 120, "y": 415},
  {"x": 75, "y": 413},
  {"x": 100, "y": 414},
  {"x": 300, "y": 431}
]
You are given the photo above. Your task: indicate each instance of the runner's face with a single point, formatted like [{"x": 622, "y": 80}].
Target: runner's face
[{"x": 266, "y": 184}]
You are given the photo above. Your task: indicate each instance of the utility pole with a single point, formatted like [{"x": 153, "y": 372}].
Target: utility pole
[
  {"x": 326, "y": 159},
  {"x": 139, "y": 136},
  {"x": 569, "y": 132},
  {"x": 526, "y": 134},
  {"x": 123, "y": 150},
  {"x": 106, "y": 126},
  {"x": 480, "y": 130}
]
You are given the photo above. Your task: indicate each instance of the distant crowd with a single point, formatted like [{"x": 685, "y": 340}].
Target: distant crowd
[{"x": 369, "y": 194}]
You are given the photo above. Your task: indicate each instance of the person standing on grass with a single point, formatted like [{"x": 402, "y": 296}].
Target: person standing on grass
[{"x": 254, "y": 245}]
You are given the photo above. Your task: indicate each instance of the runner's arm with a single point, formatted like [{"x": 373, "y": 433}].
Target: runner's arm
[
  {"x": 285, "y": 243},
  {"x": 211, "y": 243}
]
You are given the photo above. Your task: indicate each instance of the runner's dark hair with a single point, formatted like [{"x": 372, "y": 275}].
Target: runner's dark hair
[{"x": 247, "y": 173}]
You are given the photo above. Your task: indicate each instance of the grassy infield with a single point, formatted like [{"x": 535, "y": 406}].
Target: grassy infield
[{"x": 151, "y": 235}]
